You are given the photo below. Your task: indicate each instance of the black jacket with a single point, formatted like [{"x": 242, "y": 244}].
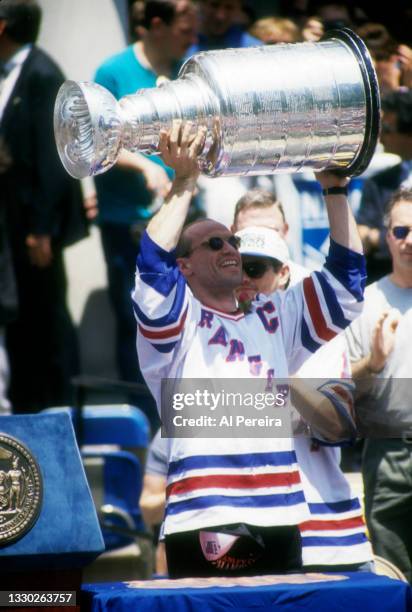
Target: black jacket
[
  {"x": 41, "y": 197},
  {"x": 8, "y": 292}
]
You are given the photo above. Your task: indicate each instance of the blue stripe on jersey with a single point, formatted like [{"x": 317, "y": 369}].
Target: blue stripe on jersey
[
  {"x": 164, "y": 348},
  {"x": 340, "y": 408},
  {"x": 307, "y": 341},
  {"x": 348, "y": 267},
  {"x": 329, "y": 507},
  {"x": 173, "y": 315},
  {"x": 347, "y": 540},
  {"x": 334, "y": 308},
  {"x": 156, "y": 266},
  {"x": 249, "y": 460},
  {"x": 245, "y": 501}
]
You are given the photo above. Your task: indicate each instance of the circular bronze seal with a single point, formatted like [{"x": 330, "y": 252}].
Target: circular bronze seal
[{"x": 21, "y": 489}]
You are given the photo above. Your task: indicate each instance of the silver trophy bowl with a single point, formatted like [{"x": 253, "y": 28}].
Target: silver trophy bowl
[{"x": 270, "y": 109}]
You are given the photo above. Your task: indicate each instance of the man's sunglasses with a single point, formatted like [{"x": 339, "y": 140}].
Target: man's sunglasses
[
  {"x": 257, "y": 269},
  {"x": 216, "y": 243},
  {"x": 401, "y": 231}
]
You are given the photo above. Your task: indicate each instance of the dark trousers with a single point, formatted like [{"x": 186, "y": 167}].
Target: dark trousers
[
  {"x": 42, "y": 342},
  {"x": 282, "y": 553},
  {"x": 120, "y": 252},
  {"x": 120, "y": 247},
  {"x": 387, "y": 476}
]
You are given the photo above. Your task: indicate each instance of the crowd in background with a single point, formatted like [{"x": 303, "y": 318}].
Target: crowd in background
[{"x": 42, "y": 211}]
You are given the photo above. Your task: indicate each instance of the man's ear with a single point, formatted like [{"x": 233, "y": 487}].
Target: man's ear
[
  {"x": 284, "y": 276},
  {"x": 184, "y": 266}
]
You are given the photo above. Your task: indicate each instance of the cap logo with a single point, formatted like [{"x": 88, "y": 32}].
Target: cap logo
[{"x": 253, "y": 241}]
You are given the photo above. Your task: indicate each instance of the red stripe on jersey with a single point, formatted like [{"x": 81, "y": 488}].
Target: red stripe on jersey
[
  {"x": 166, "y": 333},
  {"x": 349, "y": 523},
  {"x": 346, "y": 396},
  {"x": 315, "y": 311},
  {"x": 234, "y": 316},
  {"x": 233, "y": 481}
]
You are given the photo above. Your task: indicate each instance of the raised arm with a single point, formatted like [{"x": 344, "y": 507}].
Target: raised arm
[
  {"x": 179, "y": 150},
  {"x": 343, "y": 228},
  {"x": 160, "y": 299},
  {"x": 326, "y": 302}
]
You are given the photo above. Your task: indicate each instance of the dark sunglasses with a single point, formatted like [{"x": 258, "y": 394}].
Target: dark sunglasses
[
  {"x": 256, "y": 269},
  {"x": 401, "y": 231},
  {"x": 216, "y": 243}
]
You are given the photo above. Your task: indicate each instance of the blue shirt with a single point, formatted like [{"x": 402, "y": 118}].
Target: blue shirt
[
  {"x": 122, "y": 194},
  {"x": 234, "y": 38}
]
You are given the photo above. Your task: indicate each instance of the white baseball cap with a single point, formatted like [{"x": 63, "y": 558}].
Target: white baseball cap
[{"x": 263, "y": 242}]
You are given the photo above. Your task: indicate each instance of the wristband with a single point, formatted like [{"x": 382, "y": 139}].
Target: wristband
[{"x": 335, "y": 191}]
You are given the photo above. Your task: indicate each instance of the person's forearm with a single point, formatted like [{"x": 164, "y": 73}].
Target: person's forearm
[
  {"x": 363, "y": 373},
  {"x": 180, "y": 150},
  {"x": 318, "y": 411},
  {"x": 366, "y": 367},
  {"x": 152, "y": 506},
  {"x": 167, "y": 224},
  {"x": 343, "y": 228}
]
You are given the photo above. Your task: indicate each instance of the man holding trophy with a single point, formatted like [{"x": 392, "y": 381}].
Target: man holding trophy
[{"x": 184, "y": 301}]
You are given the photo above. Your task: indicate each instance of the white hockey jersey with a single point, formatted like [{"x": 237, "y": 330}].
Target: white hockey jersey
[
  {"x": 223, "y": 481},
  {"x": 335, "y": 533}
]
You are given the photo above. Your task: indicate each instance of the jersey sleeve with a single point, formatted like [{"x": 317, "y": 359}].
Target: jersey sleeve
[
  {"x": 321, "y": 306},
  {"x": 160, "y": 298},
  {"x": 340, "y": 393},
  {"x": 329, "y": 372}
]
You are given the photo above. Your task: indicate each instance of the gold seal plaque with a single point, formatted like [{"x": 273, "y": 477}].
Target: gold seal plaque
[{"x": 21, "y": 489}]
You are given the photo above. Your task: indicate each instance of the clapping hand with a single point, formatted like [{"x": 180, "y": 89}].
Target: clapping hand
[{"x": 383, "y": 339}]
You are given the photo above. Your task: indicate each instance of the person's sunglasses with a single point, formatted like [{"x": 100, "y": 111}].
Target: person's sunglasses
[
  {"x": 256, "y": 269},
  {"x": 216, "y": 243},
  {"x": 401, "y": 231}
]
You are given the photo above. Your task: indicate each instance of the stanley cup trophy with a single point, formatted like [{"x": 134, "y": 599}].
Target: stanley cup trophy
[{"x": 270, "y": 109}]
